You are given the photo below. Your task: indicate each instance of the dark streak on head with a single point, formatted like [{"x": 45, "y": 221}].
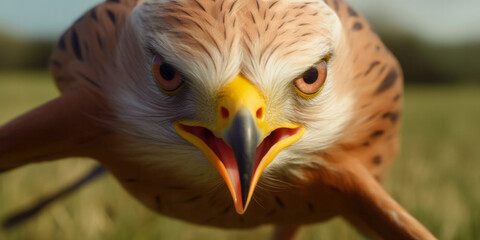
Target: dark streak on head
[
  {"x": 299, "y": 14},
  {"x": 377, "y": 133},
  {"x": 200, "y": 5},
  {"x": 388, "y": 81},
  {"x": 393, "y": 116},
  {"x": 377, "y": 160},
  {"x": 99, "y": 40},
  {"x": 93, "y": 14},
  {"x": 231, "y": 7},
  {"x": 357, "y": 26},
  {"x": 76, "y": 45},
  {"x": 382, "y": 70},
  {"x": 373, "y": 116},
  {"x": 213, "y": 39},
  {"x": 111, "y": 15},
  {"x": 221, "y": 6},
  {"x": 336, "y": 5},
  {"x": 352, "y": 12},
  {"x": 273, "y": 4},
  {"x": 273, "y": 16},
  {"x": 186, "y": 13},
  {"x": 366, "y": 105},
  {"x": 372, "y": 66}
]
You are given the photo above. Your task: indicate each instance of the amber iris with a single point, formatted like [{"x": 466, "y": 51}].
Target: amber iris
[
  {"x": 167, "y": 77},
  {"x": 312, "y": 80}
]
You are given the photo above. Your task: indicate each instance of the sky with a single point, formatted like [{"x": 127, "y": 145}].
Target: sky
[{"x": 439, "y": 21}]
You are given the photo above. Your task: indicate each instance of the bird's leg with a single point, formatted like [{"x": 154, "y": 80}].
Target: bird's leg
[
  {"x": 285, "y": 232},
  {"x": 60, "y": 128},
  {"x": 365, "y": 203}
]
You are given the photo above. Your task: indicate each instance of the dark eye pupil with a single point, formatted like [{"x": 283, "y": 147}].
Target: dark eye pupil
[
  {"x": 167, "y": 71},
  {"x": 310, "y": 76}
]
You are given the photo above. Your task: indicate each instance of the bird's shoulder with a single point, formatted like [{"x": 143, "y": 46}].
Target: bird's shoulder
[{"x": 82, "y": 50}]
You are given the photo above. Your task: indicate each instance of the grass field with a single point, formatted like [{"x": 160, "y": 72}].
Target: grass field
[{"x": 435, "y": 178}]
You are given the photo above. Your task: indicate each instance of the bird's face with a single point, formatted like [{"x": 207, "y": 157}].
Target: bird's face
[{"x": 250, "y": 84}]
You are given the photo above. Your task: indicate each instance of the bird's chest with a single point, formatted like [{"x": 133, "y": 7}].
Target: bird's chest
[{"x": 210, "y": 202}]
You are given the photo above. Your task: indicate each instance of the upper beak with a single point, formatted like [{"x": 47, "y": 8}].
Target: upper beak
[{"x": 246, "y": 144}]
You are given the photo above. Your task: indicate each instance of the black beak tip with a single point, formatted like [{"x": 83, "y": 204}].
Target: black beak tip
[{"x": 245, "y": 187}]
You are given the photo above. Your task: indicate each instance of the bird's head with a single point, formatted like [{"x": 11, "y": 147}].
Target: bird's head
[{"x": 252, "y": 85}]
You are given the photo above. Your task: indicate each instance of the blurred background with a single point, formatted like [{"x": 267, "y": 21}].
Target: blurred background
[{"x": 435, "y": 177}]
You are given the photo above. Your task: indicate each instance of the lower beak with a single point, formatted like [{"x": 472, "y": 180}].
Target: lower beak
[{"x": 247, "y": 144}]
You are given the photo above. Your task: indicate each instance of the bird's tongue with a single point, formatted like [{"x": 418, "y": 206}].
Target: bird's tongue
[{"x": 226, "y": 155}]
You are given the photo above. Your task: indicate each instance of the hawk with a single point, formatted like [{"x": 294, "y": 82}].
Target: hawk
[{"x": 228, "y": 113}]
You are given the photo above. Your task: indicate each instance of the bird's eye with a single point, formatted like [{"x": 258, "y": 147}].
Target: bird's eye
[
  {"x": 169, "y": 80},
  {"x": 311, "y": 82}
]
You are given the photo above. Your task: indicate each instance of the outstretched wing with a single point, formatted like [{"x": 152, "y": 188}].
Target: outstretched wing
[{"x": 53, "y": 130}]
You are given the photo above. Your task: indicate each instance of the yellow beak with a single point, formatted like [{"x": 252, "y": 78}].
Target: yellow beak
[{"x": 240, "y": 144}]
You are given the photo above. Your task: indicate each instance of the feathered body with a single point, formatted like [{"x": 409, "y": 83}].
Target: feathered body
[{"x": 102, "y": 64}]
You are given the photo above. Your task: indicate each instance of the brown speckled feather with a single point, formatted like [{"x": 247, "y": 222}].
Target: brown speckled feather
[
  {"x": 374, "y": 131},
  {"x": 81, "y": 53},
  {"x": 340, "y": 180}
]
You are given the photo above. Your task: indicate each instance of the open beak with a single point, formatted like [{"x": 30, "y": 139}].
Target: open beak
[{"x": 240, "y": 144}]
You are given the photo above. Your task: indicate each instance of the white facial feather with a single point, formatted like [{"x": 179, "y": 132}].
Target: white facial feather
[{"x": 210, "y": 46}]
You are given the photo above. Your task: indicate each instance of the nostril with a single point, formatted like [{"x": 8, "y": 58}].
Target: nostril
[
  {"x": 260, "y": 113},
  {"x": 224, "y": 112}
]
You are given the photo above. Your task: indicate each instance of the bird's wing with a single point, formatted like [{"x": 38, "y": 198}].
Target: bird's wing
[
  {"x": 53, "y": 130},
  {"x": 373, "y": 133},
  {"x": 81, "y": 53}
]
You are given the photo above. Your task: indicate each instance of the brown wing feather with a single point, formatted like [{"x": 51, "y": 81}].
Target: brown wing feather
[
  {"x": 82, "y": 51},
  {"x": 377, "y": 77},
  {"x": 362, "y": 157},
  {"x": 53, "y": 130}
]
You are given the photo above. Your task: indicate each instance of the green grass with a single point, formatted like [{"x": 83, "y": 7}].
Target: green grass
[{"x": 435, "y": 177}]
